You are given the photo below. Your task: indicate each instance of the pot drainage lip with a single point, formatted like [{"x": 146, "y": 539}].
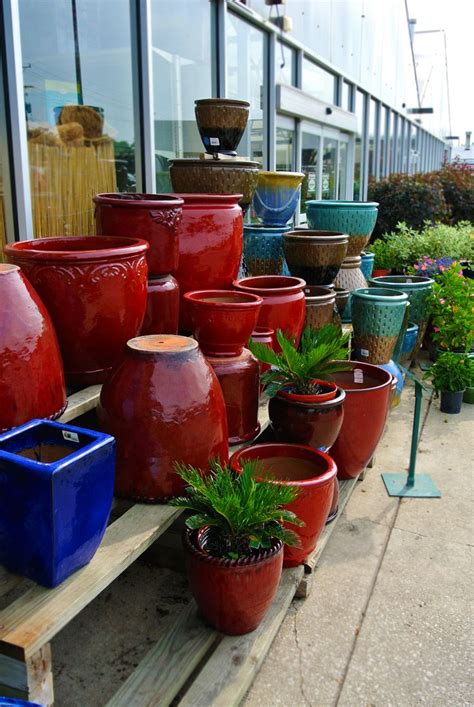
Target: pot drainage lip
[{"x": 162, "y": 343}]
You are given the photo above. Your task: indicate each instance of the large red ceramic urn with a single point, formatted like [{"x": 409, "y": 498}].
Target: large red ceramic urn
[
  {"x": 210, "y": 244},
  {"x": 31, "y": 369},
  {"x": 163, "y": 404},
  {"x": 94, "y": 288},
  {"x": 153, "y": 217}
]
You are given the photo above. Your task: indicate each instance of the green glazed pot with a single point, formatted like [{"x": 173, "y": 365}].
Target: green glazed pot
[
  {"x": 377, "y": 319},
  {"x": 356, "y": 218}
]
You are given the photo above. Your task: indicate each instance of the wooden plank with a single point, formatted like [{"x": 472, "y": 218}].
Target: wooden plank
[
  {"x": 31, "y": 680},
  {"x": 81, "y": 402},
  {"x": 230, "y": 670},
  {"x": 167, "y": 666},
  {"x": 33, "y": 619}
]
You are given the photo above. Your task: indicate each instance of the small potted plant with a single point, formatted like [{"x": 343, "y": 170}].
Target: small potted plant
[
  {"x": 450, "y": 374},
  {"x": 234, "y": 542},
  {"x": 305, "y": 407},
  {"x": 452, "y": 305},
  {"x": 383, "y": 257}
]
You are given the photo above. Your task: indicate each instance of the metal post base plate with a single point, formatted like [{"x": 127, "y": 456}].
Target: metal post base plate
[{"x": 424, "y": 486}]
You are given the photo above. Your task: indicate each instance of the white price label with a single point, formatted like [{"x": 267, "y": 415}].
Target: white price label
[
  {"x": 71, "y": 436},
  {"x": 358, "y": 375},
  {"x": 214, "y": 141},
  {"x": 364, "y": 352}
]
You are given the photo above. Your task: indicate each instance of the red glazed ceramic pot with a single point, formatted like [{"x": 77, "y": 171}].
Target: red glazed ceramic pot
[
  {"x": 283, "y": 302},
  {"x": 31, "y": 369},
  {"x": 312, "y": 473},
  {"x": 94, "y": 289},
  {"x": 222, "y": 320},
  {"x": 162, "y": 306},
  {"x": 368, "y": 391},
  {"x": 210, "y": 244},
  {"x": 162, "y": 403},
  {"x": 239, "y": 379},
  {"x": 153, "y": 217},
  {"x": 333, "y": 511},
  {"x": 310, "y": 423},
  {"x": 264, "y": 335},
  {"x": 232, "y": 595}
]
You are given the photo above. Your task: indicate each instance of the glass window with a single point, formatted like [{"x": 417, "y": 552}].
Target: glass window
[
  {"x": 384, "y": 116},
  {"x": 284, "y": 64},
  {"x": 328, "y": 182},
  {"x": 359, "y": 111},
  {"x": 341, "y": 191},
  {"x": 309, "y": 166},
  {"x": 372, "y": 135},
  {"x": 318, "y": 82},
  {"x": 245, "y": 61},
  {"x": 77, "y": 75},
  {"x": 346, "y": 96},
  {"x": 181, "y": 74},
  {"x": 392, "y": 144},
  {"x": 285, "y": 145}
]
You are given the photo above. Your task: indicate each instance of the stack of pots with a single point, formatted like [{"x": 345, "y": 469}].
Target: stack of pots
[{"x": 155, "y": 218}]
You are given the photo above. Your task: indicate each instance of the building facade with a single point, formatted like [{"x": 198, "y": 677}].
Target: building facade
[{"x": 334, "y": 98}]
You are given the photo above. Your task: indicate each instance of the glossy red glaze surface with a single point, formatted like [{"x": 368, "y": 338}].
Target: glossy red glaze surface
[
  {"x": 331, "y": 389},
  {"x": 313, "y": 474},
  {"x": 334, "y": 503},
  {"x": 313, "y": 424},
  {"x": 365, "y": 412},
  {"x": 31, "y": 369},
  {"x": 283, "y": 302},
  {"x": 162, "y": 306},
  {"x": 153, "y": 217},
  {"x": 210, "y": 244},
  {"x": 94, "y": 289},
  {"x": 233, "y": 595},
  {"x": 222, "y": 320},
  {"x": 239, "y": 379},
  {"x": 264, "y": 335},
  {"x": 162, "y": 403}
]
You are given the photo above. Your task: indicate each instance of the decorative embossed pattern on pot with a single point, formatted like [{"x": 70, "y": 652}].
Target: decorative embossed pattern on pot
[
  {"x": 221, "y": 122},
  {"x": 350, "y": 278},
  {"x": 263, "y": 250},
  {"x": 316, "y": 256},
  {"x": 356, "y": 218},
  {"x": 94, "y": 288}
]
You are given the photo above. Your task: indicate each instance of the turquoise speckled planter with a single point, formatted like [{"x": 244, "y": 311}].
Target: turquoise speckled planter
[
  {"x": 367, "y": 264},
  {"x": 357, "y": 218},
  {"x": 276, "y": 197},
  {"x": 263, "y": 250},
  {"x": 377, "y": 319}
]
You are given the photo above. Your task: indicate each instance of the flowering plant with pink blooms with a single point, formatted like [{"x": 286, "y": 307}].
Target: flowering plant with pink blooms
[
  {"x": 430, "y": 267},
  {"x": 452, "y": 306}
]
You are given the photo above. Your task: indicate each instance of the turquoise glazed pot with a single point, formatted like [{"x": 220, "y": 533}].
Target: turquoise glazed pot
[
  {"x": 391, "y": 367},
  {"x": 408, "y": 344},
  {"x": 263, "y": 250},
  {"x": 367, "y": 264},
  {"x": 276, "y": 197},
  {"x": 56, "y": 486},
  {"x": 377, "y": 319},
  {"x": 356, "y": 218}
]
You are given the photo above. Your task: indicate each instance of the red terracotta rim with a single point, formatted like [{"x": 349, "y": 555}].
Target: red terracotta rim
[
  {"x": 337, "y": 400},
  {"x": 138, "y": 200},
  {"x": 238, "y": 300},
  {"x": 263, "y": 331},
  {"x": 316, "y": 398},
  {"x": 190, "y": 538},
  {"x": 270, "y": 284},
  {"x": 370, "y": 369},
  {"x": 293, "y": 451},
  {"x": 204, "y": 200},
  {"x": 53, "y": 249}
]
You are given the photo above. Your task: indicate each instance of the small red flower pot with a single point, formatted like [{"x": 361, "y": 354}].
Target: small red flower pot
[
  {"x": 312, "y": 473},
  {"x": 222, "y": 320},
  {"x": 162, "y": 306},
  {"x": 329, "y": 394},
  {"x": 232, "y": 595}
]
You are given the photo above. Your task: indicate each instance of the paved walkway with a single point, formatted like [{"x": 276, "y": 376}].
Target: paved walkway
[{"x": 389, "y": 619}]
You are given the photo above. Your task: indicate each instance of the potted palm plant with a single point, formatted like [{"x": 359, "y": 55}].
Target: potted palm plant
[
  {"x": 305, "y": 406},
  {"x": 234, "y": 542},
  {"x": 450, "y": 375}
]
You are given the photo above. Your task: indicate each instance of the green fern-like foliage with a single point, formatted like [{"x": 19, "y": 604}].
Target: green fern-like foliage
[
  {"x": 245, "y": 514},
  {"x": 322, "y": 353}
]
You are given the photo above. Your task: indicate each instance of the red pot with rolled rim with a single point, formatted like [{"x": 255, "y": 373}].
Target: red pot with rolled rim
[
  {"x": 380, "y": 272},
  {"x": 153, "y": 217},
  {"x": 239, "y": 377},
  {"x": 368, "y": 391},
  {"x": 31, "y": 370},
  {"x": 283, "y": 304},
  {"x": 232, "y": 595},
  {"x": 210, "y": 238},
  {"x": 162, "y": 306},
  {"x": 312, "y": 472},
  {"x": 94, "y": 288},
  {"x": 222, "y": 320},
  {"x": 264, "y": 335},
  {"x": 163, "y": 404}
]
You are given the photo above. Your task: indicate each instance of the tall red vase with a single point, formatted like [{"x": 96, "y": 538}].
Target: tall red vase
[
  {"x": 162, "y": 306},
  {"x": 163, "y": 404},
  {"x": 31, "y": 369}
]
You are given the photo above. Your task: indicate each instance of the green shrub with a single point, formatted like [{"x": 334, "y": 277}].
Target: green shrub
[
  {"x": 457, "y": 181},
  {"x": 451, "y": 372},
  {"x": 452, "y": 307}
]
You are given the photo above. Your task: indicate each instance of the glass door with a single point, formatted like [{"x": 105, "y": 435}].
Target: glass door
[{"x": 285, "y": 144}]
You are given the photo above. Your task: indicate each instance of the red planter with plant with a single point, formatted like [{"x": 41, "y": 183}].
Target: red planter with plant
[
  {"x": 162, "y": 306},
  {"x": 264, "y": 335},
  {"x": 311, "y": 473}
]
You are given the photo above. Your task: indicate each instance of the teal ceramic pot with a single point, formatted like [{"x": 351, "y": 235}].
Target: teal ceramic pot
[
  {"x": 377, "y": 319},
  {"x": 408, "y": 344},
  {"x": 276, "y": 197},
  {"x": 356, "y": 218},
  {"x": 397, "y": 388},
  {"x": 367, "y": 264},
  {"x": 263, "y": 250}
]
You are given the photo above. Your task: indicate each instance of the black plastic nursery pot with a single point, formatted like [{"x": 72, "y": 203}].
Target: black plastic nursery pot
[{"x": 451, "y": 402}]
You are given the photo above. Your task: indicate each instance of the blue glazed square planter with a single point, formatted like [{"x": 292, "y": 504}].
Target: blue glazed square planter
[{"x": 56, "y": 489}]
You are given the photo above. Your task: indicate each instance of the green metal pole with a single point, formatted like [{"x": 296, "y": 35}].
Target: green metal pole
[{"x": 415, "y": 433}]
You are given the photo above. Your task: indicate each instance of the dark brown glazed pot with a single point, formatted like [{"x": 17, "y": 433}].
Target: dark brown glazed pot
[
  {"x": 94, "y": 288},
  {"x": 153, "y": 217},
  {"x": 31, "y": 369},
  {"x": 163, "y": 404},
  {"x": 239, "y": 379},
  {"x": 232, "y": 595},
  {"x": 320, "y": 303},
  {"x": 221, "y": 122},
  {"x": 162, "y": 306},
  {"x": 222, "y": 176},
  {"x": 342, "y": 295},
  {"x": 316, "y": 256}
]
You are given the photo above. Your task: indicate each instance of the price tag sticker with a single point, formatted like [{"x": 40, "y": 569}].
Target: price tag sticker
[
  {"x": 409, "y": 279},
  {"x": 364, "y": 352},
  {"x": 70, "y": 436},
  {"x": 358, "y": 375},
  {"x": 214, "y": 141}
]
